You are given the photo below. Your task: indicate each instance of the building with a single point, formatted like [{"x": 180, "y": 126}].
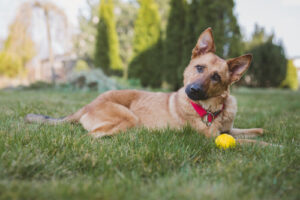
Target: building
[{"x": 41, "y": 70}]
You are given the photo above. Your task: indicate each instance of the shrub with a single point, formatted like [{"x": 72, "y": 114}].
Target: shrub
[
  {"x": 147, "y": 66},
  {"x": 10, "y": 64},
  {"x": 93, "y": 79},
  {"x": 291, "y": 79},
  {"x": 39, "y": 85},
  {"x": 81, "y": 65},
  {"x": 268, "y": 67}
]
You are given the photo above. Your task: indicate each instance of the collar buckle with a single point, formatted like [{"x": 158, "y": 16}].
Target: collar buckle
[
  {"x": 207, "y": 117},
  {"x": 206, "y": 120}
]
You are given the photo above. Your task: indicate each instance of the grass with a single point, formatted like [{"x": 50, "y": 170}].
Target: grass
[{"x": 62, "y": 162}]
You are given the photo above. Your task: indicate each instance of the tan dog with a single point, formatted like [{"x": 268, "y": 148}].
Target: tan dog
[{"x": 206, "y": 86}]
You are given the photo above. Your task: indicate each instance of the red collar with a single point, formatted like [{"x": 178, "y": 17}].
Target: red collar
[{"x": 206, "y": 116}]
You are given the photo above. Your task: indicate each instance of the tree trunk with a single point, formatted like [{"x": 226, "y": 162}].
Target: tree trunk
[{"x": 51, "y": 58}]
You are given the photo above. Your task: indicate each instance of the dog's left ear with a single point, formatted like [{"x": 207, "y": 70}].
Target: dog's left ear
[
  {"x": 238, "y": 66},
  {"x": 205, "y": 43}
]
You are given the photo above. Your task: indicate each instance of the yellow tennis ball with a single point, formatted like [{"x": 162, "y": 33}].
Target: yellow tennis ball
[{"x": 225, "y": 141}]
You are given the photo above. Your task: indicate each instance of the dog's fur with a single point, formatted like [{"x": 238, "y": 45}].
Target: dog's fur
[{"x": 116, "y": 111}]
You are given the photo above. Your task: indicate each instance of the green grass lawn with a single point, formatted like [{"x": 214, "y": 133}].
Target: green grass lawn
[{"x": 62, "y": 162}]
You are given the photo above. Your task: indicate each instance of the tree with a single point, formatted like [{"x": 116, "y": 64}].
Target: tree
[
  {"x": 147, "y": 45},
  {"x": 84, "y": 40},
  {"x": 19, "y": 47},
  {"x": 125, "y": 17},
  {"x": 191, "y": 32},
  {"x": 147, "y": 66},
  {"x": 174, "y": 42},
  {"x": 50, "y": 9},
  {"x": 268, "y": 68},
  {"x": 19, "y": 41},
  {"x": 107, "y": 45},
  {"x": 291, "y": 79},
  {"x": 259, "y": 36},
  {"x": 163, "y": 8}
]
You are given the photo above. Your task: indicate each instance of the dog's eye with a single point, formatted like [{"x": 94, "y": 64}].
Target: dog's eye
[
  {"x": 200, "y": 68},
  {"x": 216, "y": 77}
]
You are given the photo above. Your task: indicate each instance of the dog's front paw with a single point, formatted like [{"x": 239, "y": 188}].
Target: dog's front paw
[{"x": 259, "y": 131}]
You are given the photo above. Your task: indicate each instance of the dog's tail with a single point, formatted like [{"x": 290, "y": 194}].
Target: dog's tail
[{"x": 43, "y": 119}]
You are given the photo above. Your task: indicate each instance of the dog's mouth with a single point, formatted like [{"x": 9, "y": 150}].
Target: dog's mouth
[{"x": 195, "y": 92}]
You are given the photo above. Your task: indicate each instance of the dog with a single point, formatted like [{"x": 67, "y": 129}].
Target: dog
[{"x": 204, "y": 102}]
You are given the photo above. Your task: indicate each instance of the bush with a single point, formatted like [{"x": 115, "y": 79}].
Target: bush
[
  {"x": 81, "y": 65},
  {"x": 146, "y": 67},
  {"x": 268, "y": 67},
  {"x": 39, "y": 85},
  {"x": 92, "y": 80},
  {"x": 291, "y": 79},
  {"x": 10, "y": 64},
  {"x": 128, "y": 83}
]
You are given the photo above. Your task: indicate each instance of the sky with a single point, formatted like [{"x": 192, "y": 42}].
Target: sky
[{"x": 279, "y": 16}]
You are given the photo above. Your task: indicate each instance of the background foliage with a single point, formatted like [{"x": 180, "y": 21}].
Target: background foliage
[
  {"x": 10, "y": 64},
  {"x": 174, "y": 41},
  {"x": 269, "y": 66},
  {"x": 291, "y": 79},
  {"x": 107, "y": 44},
  {"x": 185, "y": 23},
  {"x": 151, "y": 41},
  {"x": 147, "y": 46},
  {"x": 160, "y": 35},
  {"x": 19, "y": 47}
]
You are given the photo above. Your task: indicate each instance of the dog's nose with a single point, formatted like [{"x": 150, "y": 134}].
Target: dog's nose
[
  {"x": 196, "y": 88},
  {"x": 195, "y": 92}
]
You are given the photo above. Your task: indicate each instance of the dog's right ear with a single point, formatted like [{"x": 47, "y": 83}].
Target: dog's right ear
[
  {"x": 205, "y": 43},
  {"x": 238, "y": 66}
]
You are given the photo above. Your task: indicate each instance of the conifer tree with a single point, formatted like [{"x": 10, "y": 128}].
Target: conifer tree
[
  {"x": 174, "y": 42},
  {"x": 147, "y": 60},
  {"x": 268, "y": 68},
  {"x": 191, "y": 32},
  {"x": 107, "y": 45}
]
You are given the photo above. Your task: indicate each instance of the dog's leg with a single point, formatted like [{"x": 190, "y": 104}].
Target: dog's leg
[
  {"x": 261, "y": 143},
  {"x": 247, "y": 141},
  {"x": 111, "y": 129},
  {"x": 108, "y": 119},
  {"x": 246, "y": 133}
]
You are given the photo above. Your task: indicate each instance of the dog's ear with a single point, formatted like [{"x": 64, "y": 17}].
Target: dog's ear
[
  {"x": 205, "y": 43},
  {"x": 238, "y": 66}
]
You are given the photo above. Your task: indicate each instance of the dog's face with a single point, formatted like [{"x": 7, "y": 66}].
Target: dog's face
[{"x": 208, "y": 75}]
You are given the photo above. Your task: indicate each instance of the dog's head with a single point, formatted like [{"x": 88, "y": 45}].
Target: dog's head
[{"x": 208, "y": 75}]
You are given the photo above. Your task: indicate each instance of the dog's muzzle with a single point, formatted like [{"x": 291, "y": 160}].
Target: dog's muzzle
[{"x": 195, "y": 92}]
